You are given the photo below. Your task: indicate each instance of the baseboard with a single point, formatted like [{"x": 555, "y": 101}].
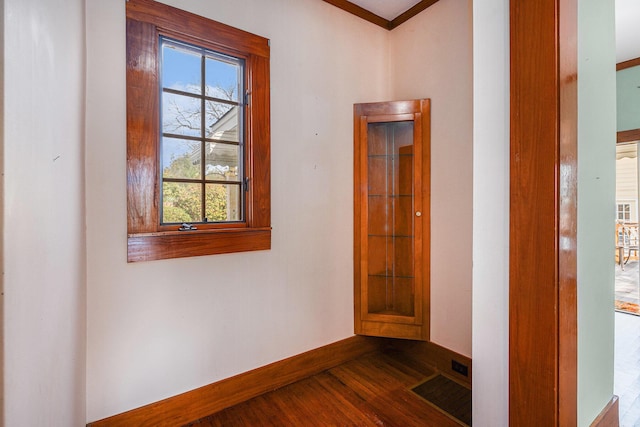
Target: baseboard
[
  {"x": 610, "y": 415},
  {"x": 198, "y": 403},
  {"x": 434, "y": 355}
]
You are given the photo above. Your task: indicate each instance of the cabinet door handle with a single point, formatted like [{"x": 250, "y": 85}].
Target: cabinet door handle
[{"x": 418, "y": 213}]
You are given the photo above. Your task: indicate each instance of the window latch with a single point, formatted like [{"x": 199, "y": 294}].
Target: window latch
[{"x": 187, "y": 227}]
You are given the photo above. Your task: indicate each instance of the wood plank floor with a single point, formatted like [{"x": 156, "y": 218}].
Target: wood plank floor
[
  {"x": 373, "y": 390},
  {"x": 627, "y": 368}
]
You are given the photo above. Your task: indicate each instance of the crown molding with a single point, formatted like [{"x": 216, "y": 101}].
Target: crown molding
[{"x": 363, "y": 13}]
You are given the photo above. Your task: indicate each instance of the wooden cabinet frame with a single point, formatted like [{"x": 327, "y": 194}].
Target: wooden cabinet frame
[{"x": 414, "y": 324}]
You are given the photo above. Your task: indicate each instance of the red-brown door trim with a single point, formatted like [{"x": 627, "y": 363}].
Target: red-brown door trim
[{"x": 543, "y": 306}]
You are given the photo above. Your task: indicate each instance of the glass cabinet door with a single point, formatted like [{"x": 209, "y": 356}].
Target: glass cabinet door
[
  {"x": 391, "y": 226},
  {"x": 390, "y": 236}
]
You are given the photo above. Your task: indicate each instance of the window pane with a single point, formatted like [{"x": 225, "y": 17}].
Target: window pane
[
  {"x": 222, "y": 79},
  {"x": 181, "y": 202},
  {"x": 223, "y": 202},
  {"x": 222, "y": 161},
  {"x": 181, "y": 158},
  {"x": 181, "y": 69},
  {"x": 222, "y": 122},
  {"x": 184, "y": 115},
  {"x": 181, "y": 115}
]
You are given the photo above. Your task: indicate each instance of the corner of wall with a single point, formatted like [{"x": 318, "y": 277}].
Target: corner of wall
[
  {"x": 491, "y": 212},
  {"x": 426, "y": 64},
  {"x": 2, "y": 299}
]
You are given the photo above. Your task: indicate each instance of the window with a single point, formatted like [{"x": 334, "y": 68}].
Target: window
[
  {"x": 202, "y": 140},
  {"x": 624, "y": 212},
  {"x": 198, "y": 135}
]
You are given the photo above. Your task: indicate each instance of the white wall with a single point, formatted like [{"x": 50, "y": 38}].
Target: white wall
[
  {"x": 431, "y": 60},
  {"x": 43, "y": 208},
  {"x": 491, "y": 213},
  {"x": 156, "y": 329},
  {"x": 596, "y": 205}
]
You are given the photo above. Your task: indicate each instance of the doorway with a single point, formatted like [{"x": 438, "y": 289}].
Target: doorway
[
  {"x": 627, "y": 283},
  {"x": 627, "y": 211},
  {"x": 627, "y": 292},
  {"x": 627, "y": 279}
]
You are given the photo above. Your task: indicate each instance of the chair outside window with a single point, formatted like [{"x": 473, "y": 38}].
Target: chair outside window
[{"x": 627, "y": 242}]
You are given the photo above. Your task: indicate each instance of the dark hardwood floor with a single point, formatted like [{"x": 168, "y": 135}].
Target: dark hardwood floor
[{"x": 374, "y": 390}]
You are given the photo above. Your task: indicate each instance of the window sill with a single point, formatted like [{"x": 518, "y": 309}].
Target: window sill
[{"x": 180, "y": 244}]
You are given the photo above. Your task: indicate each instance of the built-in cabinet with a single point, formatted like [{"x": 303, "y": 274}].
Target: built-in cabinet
[{"x": 392, "y": 218}]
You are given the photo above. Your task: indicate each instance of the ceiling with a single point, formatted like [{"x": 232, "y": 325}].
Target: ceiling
[
  {"x": 627, "y": 18},
  {"x": 627, "y": 32},
  {"x": 387, "y": 9}
]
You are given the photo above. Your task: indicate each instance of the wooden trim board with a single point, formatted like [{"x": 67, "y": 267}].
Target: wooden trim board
[
  {"x": 543, "y": 197},
  {"x": 363, "y": 13},
  {"x": 199, "y": 403},
  {"x": 360, "y": 12},
  {"x": 632, "y": 134},
  {"x": 627, "y": 64},
  {"x": 628, "y": 135},
  {"x": 610, "y": 415},
  {"x": 433, "y": 355},
  {"x": 410, "y": 13}
]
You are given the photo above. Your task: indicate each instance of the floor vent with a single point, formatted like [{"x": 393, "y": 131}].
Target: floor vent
[{"x": 450, "y": 397}]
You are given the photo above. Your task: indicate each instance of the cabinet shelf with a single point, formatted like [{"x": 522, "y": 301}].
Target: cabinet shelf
[
  {"x": 388, "y": 313},
  {"x": 387, "y": 156},
  {"x": 389, "y": 276},
  {"x": 391, "y": 196},
  {"x": 405, "y": 236}
]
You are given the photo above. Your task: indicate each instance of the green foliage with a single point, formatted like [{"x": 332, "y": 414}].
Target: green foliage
[
  {"x": 174, "y": 213},
  {"x": 216, "y": 206},
  {"x": 182, "y": 167},
  {"x": 181, "y": 202}
]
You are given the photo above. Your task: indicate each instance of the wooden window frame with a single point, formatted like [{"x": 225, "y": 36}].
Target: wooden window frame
[{"x": 147, "y": 240}]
